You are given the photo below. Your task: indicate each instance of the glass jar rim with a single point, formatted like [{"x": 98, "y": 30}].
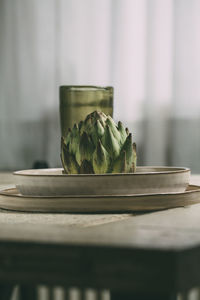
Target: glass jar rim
[{"x": 85, "y": 87}]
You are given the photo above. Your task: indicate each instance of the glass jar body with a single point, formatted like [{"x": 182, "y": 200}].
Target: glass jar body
[{"x": 76, "y": 102}]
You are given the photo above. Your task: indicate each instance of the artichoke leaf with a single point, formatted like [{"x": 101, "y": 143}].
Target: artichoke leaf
[
  {"x": 128, "y": 148},
  {"x": 134, "y": 158},
  {"x": 110, "y": 143},
  {"x": 110, "y": 122},
  {"x": 75, "y": 140},
  {"x": 86, "y": 147},
  {"x": 100, "y": 159},
  {"x": 122, "y": 131},
  {"x": 68, "y": 160},
  {"x": 86, "y": 167},
  {"x": 66, "y": 140},
  {"x": 119, "y": 165},
  {"x": 97, "y": 132}
]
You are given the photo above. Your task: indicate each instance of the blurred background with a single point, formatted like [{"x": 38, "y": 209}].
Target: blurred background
[{"x": 148, "y": 50}]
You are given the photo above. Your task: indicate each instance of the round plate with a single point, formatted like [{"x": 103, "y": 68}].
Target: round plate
[
  {"x": 11, "y": 199},
  {"x": 147, "y": 180}
]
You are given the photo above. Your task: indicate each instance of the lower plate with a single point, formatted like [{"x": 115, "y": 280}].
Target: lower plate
[{"x": 11, "y": 199}]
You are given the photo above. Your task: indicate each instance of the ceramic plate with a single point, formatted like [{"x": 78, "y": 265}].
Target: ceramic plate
[
  {"x": 11, "y": 199},
  {"x": 147, "y": 180}
]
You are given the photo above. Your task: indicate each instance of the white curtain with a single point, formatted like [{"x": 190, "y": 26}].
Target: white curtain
[{"x": 149, "y": 50}]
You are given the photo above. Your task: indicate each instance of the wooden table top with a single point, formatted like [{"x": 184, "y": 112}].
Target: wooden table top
[{"x": 159, "y": 251}]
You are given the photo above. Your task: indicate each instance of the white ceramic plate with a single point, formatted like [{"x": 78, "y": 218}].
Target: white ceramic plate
[
  {"x": 12, "y": 200},
  {"x": 147, "y": 180}
]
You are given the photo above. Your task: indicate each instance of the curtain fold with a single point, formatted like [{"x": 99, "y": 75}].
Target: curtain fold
[{"x": 148, "y": 50}]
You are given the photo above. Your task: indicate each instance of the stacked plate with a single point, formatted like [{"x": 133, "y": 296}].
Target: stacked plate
[{"x": 150, "y": 188}]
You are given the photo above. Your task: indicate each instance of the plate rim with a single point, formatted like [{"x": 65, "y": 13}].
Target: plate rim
[
  {"x": 171, "y": 170},
  {"x": 4, "y": 193}
]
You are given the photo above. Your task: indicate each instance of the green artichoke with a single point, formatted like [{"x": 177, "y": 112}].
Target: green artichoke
[{"x": 97, "y": 146}]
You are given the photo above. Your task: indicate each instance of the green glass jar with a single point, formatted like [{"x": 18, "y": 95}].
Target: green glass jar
[{"x": 77, "y": 101}]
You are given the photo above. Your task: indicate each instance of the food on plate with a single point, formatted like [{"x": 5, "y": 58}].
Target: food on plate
[{"x": 98, "y": 145}]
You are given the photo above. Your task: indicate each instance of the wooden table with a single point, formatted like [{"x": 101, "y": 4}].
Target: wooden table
[{"x": 138, "y": 256}]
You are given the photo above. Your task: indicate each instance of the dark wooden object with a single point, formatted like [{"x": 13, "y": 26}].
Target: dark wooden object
[
  {"x": 27, "y": 292},
  {"x": 145, "y": 255},
  {"x": 6, "y": 291}
]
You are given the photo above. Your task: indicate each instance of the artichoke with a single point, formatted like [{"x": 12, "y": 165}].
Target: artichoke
[{"x": 97, "y": 146}]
